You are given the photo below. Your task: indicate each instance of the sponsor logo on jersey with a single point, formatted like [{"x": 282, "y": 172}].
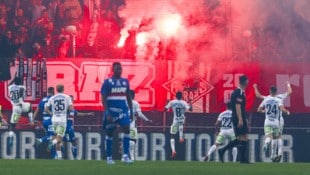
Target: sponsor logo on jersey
[{"x": 119, "y": 90}]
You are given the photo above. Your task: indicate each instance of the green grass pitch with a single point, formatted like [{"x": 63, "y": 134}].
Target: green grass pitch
[{"x": 53, "y": 167}]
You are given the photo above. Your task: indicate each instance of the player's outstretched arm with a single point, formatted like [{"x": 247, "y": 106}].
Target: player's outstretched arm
[
  {"x": 257, "y": 93},
  {"x": 261, "y": 110},
  {"x": 289, "y": 88},
  {"x": 168, "y": 105}
]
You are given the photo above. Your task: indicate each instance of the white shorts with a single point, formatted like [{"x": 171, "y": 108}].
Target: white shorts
[
  {"x": 175, "y": 127},
  {"x": 18, "y": 110},
  {"x": 59, "y": 125},
  {"x": 225, "y": 134},
  {"x": 133, "y": 133}
]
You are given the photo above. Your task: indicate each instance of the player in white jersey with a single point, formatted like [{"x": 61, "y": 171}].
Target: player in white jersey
[
  {"x": 226, "y": 132},
  {"x": 272, "y": 107},
  {"x": 133, "y": 125},
  {"x": 179, "y": 107},
  {"x": 58, "y": 107},
  {"x": 282, "y": 97},
  {"x": 17, "y": 92}
]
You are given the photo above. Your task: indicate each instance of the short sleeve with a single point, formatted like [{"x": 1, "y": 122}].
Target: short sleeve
[
  {"x": 282, "y": 96},
  {"x": 187, "y": 107},
  {"x": 104, "y": 88},
  {"x": 41, "y": 105},
  {"x": 237, "y": 97},
  {"x": 69, "y": 101},
  {"x": 262, "y": 105},
  {"x": 48, "y": 104},
  {"x": 138, "y": 108},
  {"x": 220, "y": 117},
  {"x": 168, "y": 105}
]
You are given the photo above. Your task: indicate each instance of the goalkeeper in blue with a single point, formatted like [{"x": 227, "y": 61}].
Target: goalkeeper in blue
[{"x": 117, "y": 102}]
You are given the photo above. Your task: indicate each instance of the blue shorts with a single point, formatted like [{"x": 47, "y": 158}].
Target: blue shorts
[
  {"x": 121, "y": 119},
  {"x": 47, "y": 124},
  {"x": 70, "y": 133}
]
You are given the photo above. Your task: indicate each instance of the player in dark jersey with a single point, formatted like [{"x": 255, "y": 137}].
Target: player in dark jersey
[
  {"x": 117, "y": 102},
  {"x": 239, "y": 119},
  {"x": 46, "y": 120},
  {"x": 70, "y": 134}
]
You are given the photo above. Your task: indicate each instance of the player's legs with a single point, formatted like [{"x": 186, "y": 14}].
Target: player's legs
[
  {"x": 60, "y": 130},
  {"x": 109, "y": 128},
  {"x": 173, "y": 131},
  {"x": 72, "y": 140},
  {"x": 218, "y": 141},
  {"x": 27, "y": 108},
  {"x": 274, "y": 142},
  {"x": 181, "y": 137},
  {"x": 268, "y": 138},
  {"x": 133, "y": 139},
  {"x": 125, "y": 126},
  {"x": 16, "y": 114}
]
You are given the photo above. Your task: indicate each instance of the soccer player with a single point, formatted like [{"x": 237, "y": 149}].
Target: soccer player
[
  {"x": 117, "y": 103},
  {"x": 239, "y": 120},
  {"x": 282, "y": 97},
  {"x": 70, "y": 128},
  {"x": 17, "y": 92},
  {"x": 179, "y": 107},
  {"x": 226, "y": 132},
  {"x": 57, "y": 106},
  {"x": 47, "y": 120},
  {"x": 272, "y": 106},
  {"x": 133, "y": 125}
]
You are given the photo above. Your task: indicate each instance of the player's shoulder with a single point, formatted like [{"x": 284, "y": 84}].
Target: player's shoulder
[{"x": 135, "y": 102}]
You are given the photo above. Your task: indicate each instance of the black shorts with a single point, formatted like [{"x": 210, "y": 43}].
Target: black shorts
[{"x": 240, "y": 131}]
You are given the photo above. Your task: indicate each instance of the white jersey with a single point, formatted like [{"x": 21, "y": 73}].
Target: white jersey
[
  {"x": 272, "y": 110},
  {"x": 136, "y": 113},
  {"x": 282, "y": 97},
  {"x": 59, "y": 105},
  {"x": 179, "y": 107},
  {"x": 225, "y": 119},
  {"x": 15, "y": 94}
]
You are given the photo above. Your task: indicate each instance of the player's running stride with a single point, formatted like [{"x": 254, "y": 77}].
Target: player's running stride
[
  {"x": 226, "y": 132},
  {"x": 272, "y": 106},
  {"x": 70, "y": 129},
  {"x": 57, "y": 106},
  {"x": 46, "y": 120},
  {"x": 117, "y": 103},
  {"x": 179, "y": 107},
  {"x": 17, "y": 92},
  {"x": 267, "y": 141},
  {"x": 133, "y": 125}
]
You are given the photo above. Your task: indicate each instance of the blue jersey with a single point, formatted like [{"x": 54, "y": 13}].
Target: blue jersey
[
  {"x": 116, "y": 92},
  {"x": 71, "y": 117},
  {"x": 42, "y": 104}
]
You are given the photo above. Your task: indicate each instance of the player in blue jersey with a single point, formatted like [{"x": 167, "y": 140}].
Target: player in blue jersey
[
  {"x": 70, "y": 135},
  {"x": 117, "y": 103},
  {"x": 46, "y": 120}
]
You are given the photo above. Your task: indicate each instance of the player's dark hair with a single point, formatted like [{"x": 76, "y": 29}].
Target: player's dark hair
[
  {"x": 229, "y": 105},
  {"x": 116, "y": 64},
  {"x": 243, "y": 80},
  {"x": 273, "y": 89},
  {"x": 51, "y": 90},
  {"x": 132, "y": 93},
  {"x": 60, "y": 88},
  {"x": 179, "y": 95}
]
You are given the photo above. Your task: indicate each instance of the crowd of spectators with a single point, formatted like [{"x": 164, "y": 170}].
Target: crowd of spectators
[{"x": 39, "y": 27}]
